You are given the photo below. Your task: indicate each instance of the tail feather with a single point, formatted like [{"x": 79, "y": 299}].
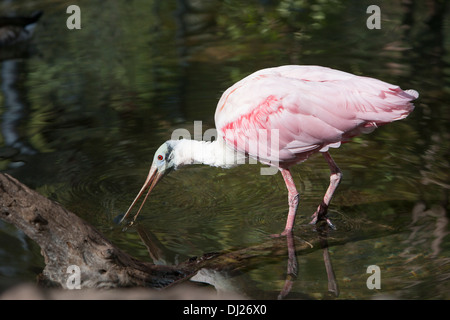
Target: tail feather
[{"x": 412, "y": 93}]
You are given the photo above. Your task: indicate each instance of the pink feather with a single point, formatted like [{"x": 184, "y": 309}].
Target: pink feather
[{"x": 313, "y": 108}]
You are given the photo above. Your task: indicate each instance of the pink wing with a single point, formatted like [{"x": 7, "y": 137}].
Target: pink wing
[{"x": 287, "y": 113}]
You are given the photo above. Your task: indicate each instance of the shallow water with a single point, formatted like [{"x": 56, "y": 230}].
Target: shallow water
[{"x": 96, "y": 103}]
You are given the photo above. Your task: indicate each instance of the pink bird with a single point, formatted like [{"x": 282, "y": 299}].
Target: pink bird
[{"x": 281, "y": 116}]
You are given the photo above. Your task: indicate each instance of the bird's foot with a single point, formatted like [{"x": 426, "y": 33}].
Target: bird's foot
[{"x": 321, "y": 214}]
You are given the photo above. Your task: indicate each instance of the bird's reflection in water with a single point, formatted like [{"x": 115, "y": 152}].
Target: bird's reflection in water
[
  {"x": 333, "y": 289},
  {"x": 292, "y": 264},
  {"x": 224, "y": 271}
]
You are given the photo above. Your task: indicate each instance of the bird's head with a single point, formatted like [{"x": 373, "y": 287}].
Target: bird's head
[{"x": 164, "y": 161}]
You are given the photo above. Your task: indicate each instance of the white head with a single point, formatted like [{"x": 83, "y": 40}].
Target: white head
[{"x": 164, "y": 159}]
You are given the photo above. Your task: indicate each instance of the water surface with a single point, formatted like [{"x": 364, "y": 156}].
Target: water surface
[{"x": 97, "y": 102}]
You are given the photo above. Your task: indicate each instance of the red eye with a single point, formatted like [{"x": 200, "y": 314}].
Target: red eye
[{"x": 160, "y": 157}]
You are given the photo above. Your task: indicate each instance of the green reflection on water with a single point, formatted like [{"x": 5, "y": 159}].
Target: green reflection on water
[{"x": 102, "y": 99}]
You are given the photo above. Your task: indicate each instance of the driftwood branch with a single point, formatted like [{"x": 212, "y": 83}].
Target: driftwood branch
[{"x": 65, "y": 240}]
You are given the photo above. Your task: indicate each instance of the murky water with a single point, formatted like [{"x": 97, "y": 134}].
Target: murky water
[{"x": 95, "y": 103}]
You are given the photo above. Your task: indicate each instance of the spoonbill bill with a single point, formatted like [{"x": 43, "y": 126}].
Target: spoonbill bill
[{"x": 280, "y": 116}]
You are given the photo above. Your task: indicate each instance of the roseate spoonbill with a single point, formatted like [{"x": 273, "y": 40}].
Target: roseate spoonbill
[{"x": 311, "y": 108}]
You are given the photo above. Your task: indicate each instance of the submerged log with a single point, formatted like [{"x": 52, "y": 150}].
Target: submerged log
[{"x": 67, "y": 240}]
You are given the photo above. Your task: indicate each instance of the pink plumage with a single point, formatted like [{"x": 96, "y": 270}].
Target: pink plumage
[
  {"x": 313, "y": 108},
  {"x": 281, "y": 116}
]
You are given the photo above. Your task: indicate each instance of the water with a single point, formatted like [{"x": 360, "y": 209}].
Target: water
[{"x": 96, "y": 103}]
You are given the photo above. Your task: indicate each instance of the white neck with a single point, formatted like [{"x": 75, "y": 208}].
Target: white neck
[{"x": 214, "y": 153}]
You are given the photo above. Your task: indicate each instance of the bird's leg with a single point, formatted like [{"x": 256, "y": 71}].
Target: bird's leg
[
  {"x": 335, "y": 179},
  {"x": 293, "y": 200}
]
